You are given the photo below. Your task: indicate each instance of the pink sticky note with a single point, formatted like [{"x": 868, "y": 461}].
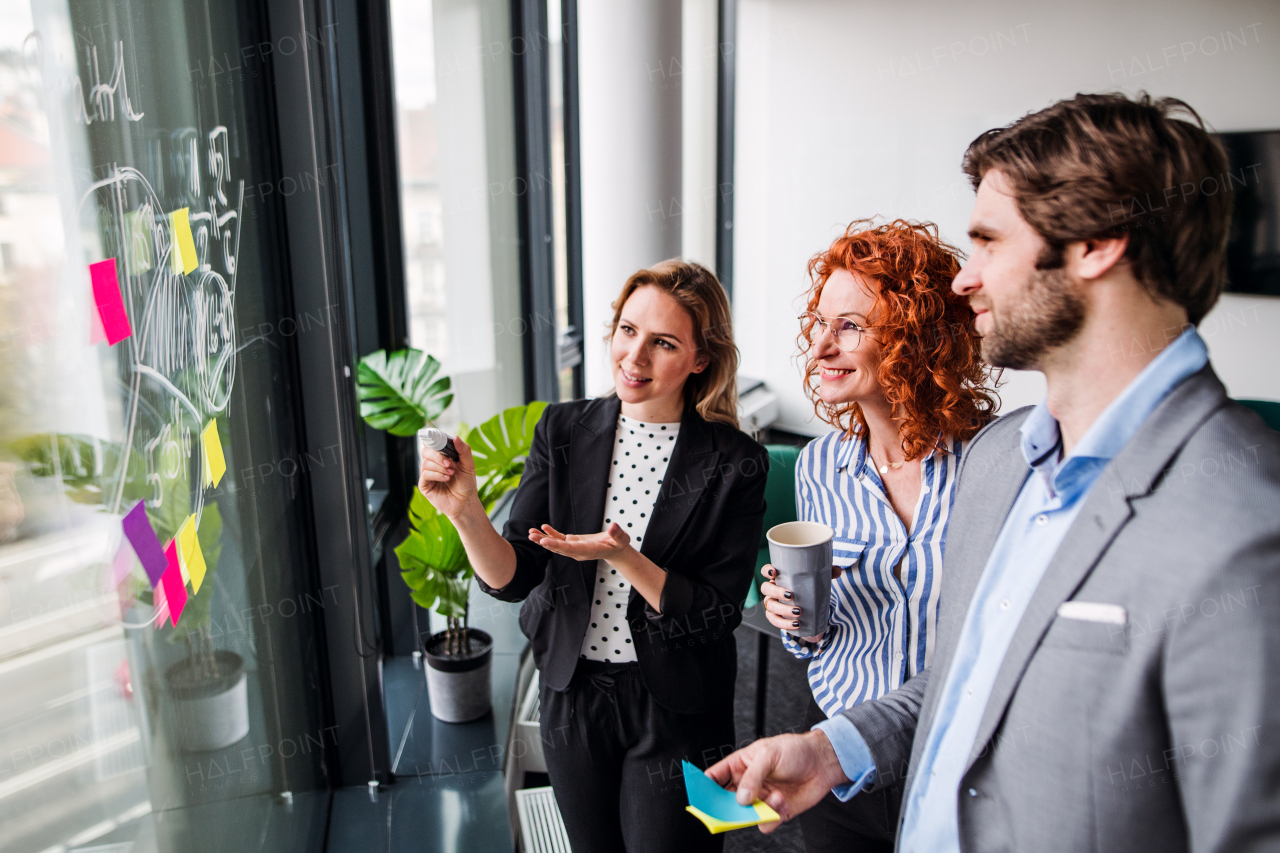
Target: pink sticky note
[
  {"x": 122, "y": 563},
  {"x": 175, "y": 591},
  {"x": 106, "y": 294},
  {"x": 162, "y": 606},
  {"x": 97, "y": 334}
]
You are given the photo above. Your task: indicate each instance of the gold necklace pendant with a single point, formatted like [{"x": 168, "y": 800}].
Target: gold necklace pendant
[{"x": 884, "y": 469}]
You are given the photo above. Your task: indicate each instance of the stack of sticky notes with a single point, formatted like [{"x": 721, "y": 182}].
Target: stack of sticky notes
[
  {"x": 169, "y": 567},
  {"x": 717, "y": 808}
]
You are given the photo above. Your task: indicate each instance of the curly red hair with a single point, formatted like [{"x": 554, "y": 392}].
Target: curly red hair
[{"x": 931, "y": 368}]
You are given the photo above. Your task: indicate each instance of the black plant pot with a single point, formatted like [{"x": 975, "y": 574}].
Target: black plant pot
[{"x": 459, "y": 685}]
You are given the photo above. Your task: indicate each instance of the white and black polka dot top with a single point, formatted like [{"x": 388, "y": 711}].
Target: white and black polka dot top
[{"x": 640, "y": 457}]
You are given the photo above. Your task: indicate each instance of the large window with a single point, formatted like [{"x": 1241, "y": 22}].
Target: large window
[
  {"x": 159, "y": 667},
  {"x": 459, "y": 192}
]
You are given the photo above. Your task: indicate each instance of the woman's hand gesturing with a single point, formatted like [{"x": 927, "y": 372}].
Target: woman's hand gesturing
[
  {"x": 449, "y": 485},
  {"x": 607, "y": 545}
]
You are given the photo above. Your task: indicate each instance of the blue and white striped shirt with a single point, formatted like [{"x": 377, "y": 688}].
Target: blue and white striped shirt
[{"x": 881, "y": 631}]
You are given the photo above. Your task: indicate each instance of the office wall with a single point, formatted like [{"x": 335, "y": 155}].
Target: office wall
[{"x": 850, "y": 109}]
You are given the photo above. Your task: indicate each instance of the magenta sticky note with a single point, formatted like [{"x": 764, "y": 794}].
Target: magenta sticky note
[
  {"x": 142, "y": 536},
  {"x": 175, "y": 591},
  {"x": 106, "y": 294},
  {"x": 122, "y": 563}
]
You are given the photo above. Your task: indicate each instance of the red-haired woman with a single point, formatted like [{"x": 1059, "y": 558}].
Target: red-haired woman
[{"x": 892, "y": 360}]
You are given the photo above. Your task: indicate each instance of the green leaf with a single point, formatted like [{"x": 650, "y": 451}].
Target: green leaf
[
  {"x": 433, "y": 562},
  {"x": 442, "y": 545},
  {"x": 396, "y": 391},
  {"x": 89, "y": 467},
  {"x": 501, "y": 444},
  {"x": 452, "y": 603}
]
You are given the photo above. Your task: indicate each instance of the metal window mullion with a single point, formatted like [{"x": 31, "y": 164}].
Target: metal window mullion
[{"x": 533, "y": 167}]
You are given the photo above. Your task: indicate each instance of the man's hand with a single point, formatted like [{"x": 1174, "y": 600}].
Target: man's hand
[{"x": 791, "y": 773}]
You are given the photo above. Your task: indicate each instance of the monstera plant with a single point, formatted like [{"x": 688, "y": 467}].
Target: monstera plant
[
  {"x": 401, "y": 393},
  {"x": 397, "y": 393}
]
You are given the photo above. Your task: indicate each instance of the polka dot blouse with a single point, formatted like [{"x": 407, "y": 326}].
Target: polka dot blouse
[{"x": 640, "y": 457}]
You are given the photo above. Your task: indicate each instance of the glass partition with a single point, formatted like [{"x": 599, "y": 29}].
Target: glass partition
[{"x": 159, "y": 664}]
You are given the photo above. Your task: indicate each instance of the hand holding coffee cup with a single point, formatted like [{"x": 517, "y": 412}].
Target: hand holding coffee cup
[
  {"x": 798, "y": 596},
  {"x": 779, "y": 606}
]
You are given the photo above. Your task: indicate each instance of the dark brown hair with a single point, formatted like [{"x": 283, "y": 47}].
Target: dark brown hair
[
  {"x": 1097, "y": 166},
  {"x": 931, "y": 355},
  {"x": 714, "y": 391}
]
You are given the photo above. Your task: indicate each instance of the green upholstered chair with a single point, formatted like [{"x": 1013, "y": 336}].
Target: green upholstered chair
[
  {"x": 780, "y": 497},
  {"x": 1269, "y": 409}
]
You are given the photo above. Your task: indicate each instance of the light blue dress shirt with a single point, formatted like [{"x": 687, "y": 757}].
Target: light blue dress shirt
[{"x": 1049, "y": 502}]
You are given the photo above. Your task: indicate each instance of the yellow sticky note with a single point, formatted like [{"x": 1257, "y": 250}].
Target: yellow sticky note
[
  {"x": 764, "y": 814},
  {"x": 215, "y": 464},
  {"x": 193, "y": 565},
  {"x": 183, "y": 257}
]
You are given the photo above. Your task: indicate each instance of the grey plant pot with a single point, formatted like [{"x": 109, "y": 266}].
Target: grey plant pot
[
  {"x": 459, "y": 686},
  {"x": 212, "y": 713}
]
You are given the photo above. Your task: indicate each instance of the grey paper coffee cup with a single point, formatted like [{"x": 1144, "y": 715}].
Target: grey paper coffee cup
[{"x": 801, "y": 552}]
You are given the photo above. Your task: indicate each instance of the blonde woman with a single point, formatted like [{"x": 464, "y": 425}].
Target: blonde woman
[{"x": 632, "y": 626}]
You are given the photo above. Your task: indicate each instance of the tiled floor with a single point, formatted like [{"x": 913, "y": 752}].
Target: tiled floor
[
  {"x": 448, "y": 794},
  {"x": 462, "y": 813},
  {"x": 256, "y": 823},
  {"x": 788, "y": 697},
  {"x": 424, "y": 746}
]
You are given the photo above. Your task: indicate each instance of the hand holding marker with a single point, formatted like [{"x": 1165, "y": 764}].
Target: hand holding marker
[{"x": 439, "y": 441}]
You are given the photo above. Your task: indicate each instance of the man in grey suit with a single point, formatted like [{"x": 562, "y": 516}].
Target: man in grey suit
[{"x": 1106, "y": 674}]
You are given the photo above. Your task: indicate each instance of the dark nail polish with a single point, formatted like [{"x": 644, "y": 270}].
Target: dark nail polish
[
  {"x": 795, "y": 611},
  {"x": 787, "y": 596},
  {"x": 795, "y": 624}
]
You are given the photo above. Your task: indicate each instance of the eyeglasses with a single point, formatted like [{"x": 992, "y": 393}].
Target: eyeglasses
[{"x": 847, "y": 334}]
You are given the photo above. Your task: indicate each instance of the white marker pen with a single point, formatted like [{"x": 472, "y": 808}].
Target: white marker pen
[{"x": 438, "y": 440}]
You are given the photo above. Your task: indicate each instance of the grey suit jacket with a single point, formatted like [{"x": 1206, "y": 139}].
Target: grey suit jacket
[{"x": 1160, "y": 734}]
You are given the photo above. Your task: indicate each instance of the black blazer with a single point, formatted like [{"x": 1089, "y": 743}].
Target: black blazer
[{"x": 705, "y": 531}]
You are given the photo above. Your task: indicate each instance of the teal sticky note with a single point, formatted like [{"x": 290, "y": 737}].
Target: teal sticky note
[{"x": 717, "y": 808}]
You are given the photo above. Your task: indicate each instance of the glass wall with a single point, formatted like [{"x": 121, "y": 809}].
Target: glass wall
[
  {"x": 160, "y": 670},
  {"x": 458, "y": 195}
]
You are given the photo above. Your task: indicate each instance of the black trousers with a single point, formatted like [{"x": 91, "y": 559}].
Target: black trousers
[
  {"x": 868, "y": 823},
  {"x": 613, "y": 755}
]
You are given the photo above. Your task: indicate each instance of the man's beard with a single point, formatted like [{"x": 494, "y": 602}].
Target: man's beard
[{"x": 1049, "y": 314}]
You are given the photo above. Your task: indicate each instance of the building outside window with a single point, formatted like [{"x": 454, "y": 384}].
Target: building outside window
[{"x": 459, "y": 192}]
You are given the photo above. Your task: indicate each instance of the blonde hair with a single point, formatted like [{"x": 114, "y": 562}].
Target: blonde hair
[{"x": 714, "y": 391}]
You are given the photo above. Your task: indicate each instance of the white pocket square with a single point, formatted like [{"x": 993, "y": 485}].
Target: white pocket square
[{"x": 1093, "y": 611}]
